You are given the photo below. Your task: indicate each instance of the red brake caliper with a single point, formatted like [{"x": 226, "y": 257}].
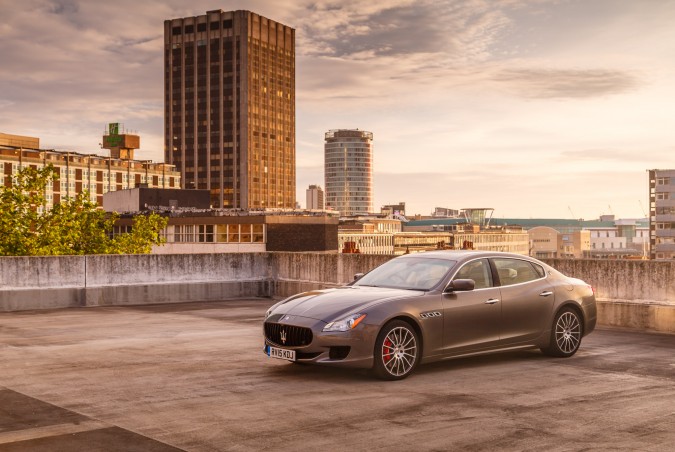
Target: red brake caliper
[{"x": 388, "y": 346}]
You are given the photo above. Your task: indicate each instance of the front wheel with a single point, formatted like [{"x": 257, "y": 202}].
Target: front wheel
[
  {"x": 566, "y": 334},
  {"x": 397, "y": 351}
]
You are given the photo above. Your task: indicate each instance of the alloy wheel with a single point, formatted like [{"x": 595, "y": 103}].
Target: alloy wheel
[
  {"x": 568, "y": 332},
  {"x": 399, "y": 351}
]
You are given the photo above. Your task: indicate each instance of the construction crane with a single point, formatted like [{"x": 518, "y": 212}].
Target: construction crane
[
  {"x": 574, "y": 216},
  {"x": 643, "y": 209}
]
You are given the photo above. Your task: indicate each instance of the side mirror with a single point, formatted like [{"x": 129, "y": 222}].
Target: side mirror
[
  {"x": 460, "y": 285},
  {"x": 358, "y": 276}
]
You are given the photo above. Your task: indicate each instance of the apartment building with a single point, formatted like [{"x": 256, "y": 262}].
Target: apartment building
[
  {"x": 76, "y": 172},
  {"x": 662, "y": 214}
]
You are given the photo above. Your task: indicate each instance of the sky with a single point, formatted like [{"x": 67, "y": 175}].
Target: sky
[{"x": 538, "y": 109}]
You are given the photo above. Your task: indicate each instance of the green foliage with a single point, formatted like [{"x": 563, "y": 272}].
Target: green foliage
[{"x": 74, "y": 226}]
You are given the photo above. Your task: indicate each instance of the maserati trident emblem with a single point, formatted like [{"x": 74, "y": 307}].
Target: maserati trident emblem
[{"x": 282, "y": 335}]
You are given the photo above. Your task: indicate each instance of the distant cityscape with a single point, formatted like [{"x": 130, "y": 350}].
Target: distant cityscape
[{"x": 230, "y": 140}]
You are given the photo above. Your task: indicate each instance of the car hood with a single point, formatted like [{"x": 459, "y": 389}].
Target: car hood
[{"x": 331, "y": 304}]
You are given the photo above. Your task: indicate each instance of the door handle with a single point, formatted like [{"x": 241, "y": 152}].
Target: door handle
[
  {"x": 492, "y": 301},
  {"x": 545, "y": 294}
]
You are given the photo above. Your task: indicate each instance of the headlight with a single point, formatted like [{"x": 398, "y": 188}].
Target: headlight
[
  {"x": 269, "y": 311},
  {"x": 346, "y": 324}
]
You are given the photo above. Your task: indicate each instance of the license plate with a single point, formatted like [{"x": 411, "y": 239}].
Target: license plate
[{"x": 281, "y": 353}]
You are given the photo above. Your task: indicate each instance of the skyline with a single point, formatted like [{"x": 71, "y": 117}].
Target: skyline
[{"x": 537, "y": 109}]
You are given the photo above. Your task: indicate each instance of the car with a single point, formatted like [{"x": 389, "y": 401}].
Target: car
[{"x": 424, "y": 307}]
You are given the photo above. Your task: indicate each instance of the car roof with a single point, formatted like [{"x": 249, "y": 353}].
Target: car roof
[{"x": 463, "y": 255}]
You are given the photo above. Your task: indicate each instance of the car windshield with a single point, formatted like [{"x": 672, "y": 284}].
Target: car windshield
[{"x": 408, "y": 273}]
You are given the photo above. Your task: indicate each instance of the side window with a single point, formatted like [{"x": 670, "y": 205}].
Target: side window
[
  {"x": 514, "y": 271},
  {"x": 540, "y": 270},
  {"x": 479, "y": 271}
]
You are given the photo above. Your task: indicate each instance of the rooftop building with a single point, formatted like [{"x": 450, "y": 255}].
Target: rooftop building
[{"x": 196, "y": 228}]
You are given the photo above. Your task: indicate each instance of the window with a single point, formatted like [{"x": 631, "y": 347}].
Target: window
[
  {"x": 663, "y": 181},
  {"x": 206, "y": 233},
  {"x": 258, "y": 233},
  {"x": 515, "y": 271},
  {"x": 233, "y": 233},
  {"x": 540, "y": 270},
  {"x": 479, "y": 271},
  {"x": 662, "y": 196},
  {"x": 408, "y": 273},
  {"x": 245, "y": 233}
]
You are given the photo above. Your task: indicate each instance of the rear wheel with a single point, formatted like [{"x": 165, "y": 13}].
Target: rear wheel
[
  {"x": 565, "y": 335},
  {"x": 397, "y": 351}
]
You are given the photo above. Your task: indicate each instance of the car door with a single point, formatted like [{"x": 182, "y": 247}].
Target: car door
[
  {"x": 527, "y": 299},
  {"x": 471, "y": 319}
]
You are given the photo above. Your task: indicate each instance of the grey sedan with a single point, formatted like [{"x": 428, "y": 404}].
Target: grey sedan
[{"x": 425, "y": 307}]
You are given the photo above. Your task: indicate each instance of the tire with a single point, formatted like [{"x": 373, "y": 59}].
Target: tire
[
  {"x": 397, "y": 351},
  {"x": 566, "y": 334}
]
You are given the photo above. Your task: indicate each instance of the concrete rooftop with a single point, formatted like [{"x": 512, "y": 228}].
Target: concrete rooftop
[{"x": 193, "y": 377}]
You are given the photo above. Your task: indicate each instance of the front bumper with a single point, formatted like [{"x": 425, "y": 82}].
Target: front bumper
[{"x": 352, "y": 348}]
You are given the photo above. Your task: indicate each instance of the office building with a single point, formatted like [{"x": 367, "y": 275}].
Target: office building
[
  {"x": 662, "y": 214},
  {"x": 229, "y": 81},
  {"x": 315, "y": 199},
  {"x": 76, "y": 172},
  {"x": 349, "y": 171}
]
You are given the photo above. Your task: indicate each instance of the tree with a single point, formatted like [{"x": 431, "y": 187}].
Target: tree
[{"x": 74, "y": 226}]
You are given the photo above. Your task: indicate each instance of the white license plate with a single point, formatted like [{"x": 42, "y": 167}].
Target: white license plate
[{"x": 281, "y": 353}]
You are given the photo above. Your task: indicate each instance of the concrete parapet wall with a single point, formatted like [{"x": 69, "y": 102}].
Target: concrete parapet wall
[
  {"x": 120, "y": 295},
  {"x": 634, "y": 280},
  {"x": 642, "y": 316},
  {"x": 174, "y": 268},
  {"x": 635, "y": 294},
  {"x": 49, "y": 271},
  {"x": 328, "y": 269}
]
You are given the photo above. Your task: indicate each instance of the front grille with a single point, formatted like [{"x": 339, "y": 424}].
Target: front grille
[{"x": 296, "y": 336}]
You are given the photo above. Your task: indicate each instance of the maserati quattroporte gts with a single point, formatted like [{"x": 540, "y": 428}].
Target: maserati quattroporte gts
[{"x": 425, "y": 307}]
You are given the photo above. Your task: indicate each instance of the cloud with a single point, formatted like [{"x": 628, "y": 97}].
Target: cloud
[
  {"x": 540, "y": 83},
  {"x": 447, "y": 29}
]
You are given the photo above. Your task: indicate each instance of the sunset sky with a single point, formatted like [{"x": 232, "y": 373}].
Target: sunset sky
[{"x": 534, "y": 108}]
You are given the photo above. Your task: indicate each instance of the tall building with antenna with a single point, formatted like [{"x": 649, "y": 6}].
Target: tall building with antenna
[{"x": 229, "y": 106}]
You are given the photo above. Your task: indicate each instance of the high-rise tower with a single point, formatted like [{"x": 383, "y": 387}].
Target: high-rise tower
[
  {"x": 229, "y": 107},
  {"x": 349, "y": 171},
  {"x": 315, "y": 197}
]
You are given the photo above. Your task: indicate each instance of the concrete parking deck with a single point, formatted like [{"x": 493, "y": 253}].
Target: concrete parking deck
[{"x": 193, "y": 377}]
